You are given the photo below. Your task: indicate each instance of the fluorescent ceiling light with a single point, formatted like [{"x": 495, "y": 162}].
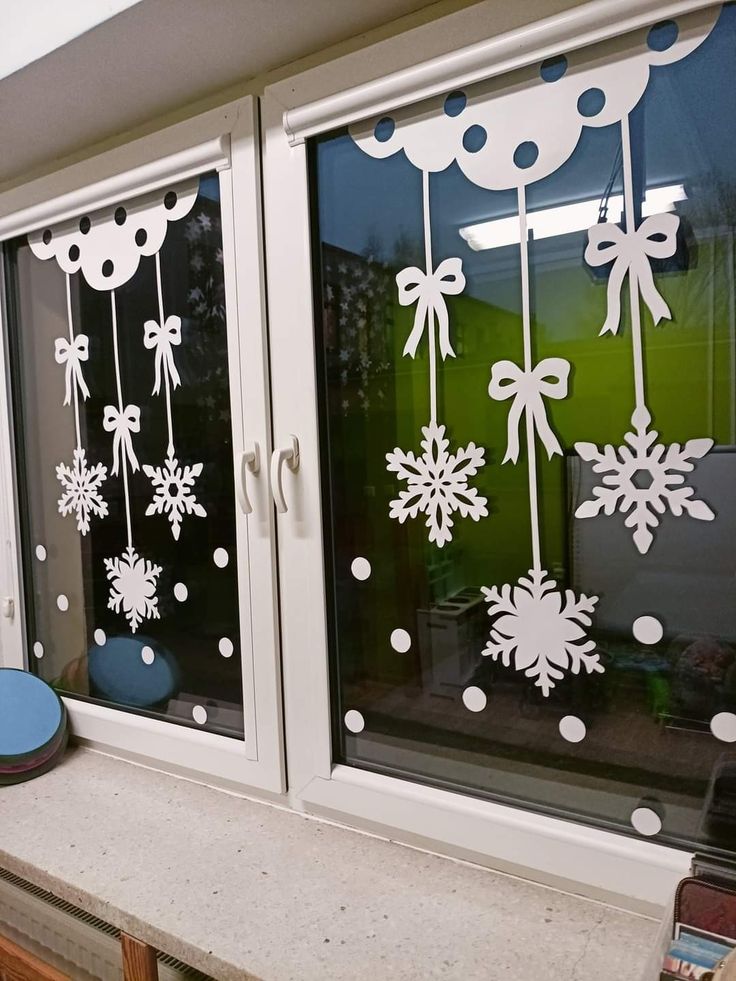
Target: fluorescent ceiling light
[{"x": 578, "y": 217}]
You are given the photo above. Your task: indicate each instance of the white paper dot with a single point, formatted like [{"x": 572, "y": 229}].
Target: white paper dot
[
  {"x": 572, "y": 729},
  {"x": 220, "y": 558},
  {"x": 199, "y": 714},
  {"x": 62, "y": 602},
  {"x": 474, "y": 699},
  {"x": 40, "y": 553},
  {"x": 361, "y": 568},
  {"x": 38, "y": 649},
  {"x": 147, "y": 655},
  {"x": 647, "y": 630},
  {"x": 400, "y": 640},
  {"x": 100, "y": 637},
  {"x": 723, "y": 727},
  {"x": 226, "y": 647},
  {"x": 354, "y": 721},
  {"x": 180, "y": 592},
  {"x": 646, "y": 821}
]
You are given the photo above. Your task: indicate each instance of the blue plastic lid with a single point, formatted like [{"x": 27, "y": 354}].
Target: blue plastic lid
[{"x": 30, "y": 713}]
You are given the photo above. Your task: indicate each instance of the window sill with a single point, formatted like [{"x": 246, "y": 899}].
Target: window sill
[{"x": 237, "y": 888}]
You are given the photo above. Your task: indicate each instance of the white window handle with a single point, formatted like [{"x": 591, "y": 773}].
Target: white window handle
[
  {"x": 288, "y": 455},
  {"x": 250, "y": 459}
]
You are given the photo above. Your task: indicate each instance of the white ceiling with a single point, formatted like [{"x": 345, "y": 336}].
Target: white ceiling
[{"x": 159, "y": 55}]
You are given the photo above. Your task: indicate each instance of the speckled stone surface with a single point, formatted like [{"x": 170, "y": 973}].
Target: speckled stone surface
[{"x": 240, "y": 889}]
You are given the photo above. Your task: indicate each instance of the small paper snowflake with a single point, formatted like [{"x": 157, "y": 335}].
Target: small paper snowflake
[
  {"x": 133, "y": 587},
  {"x": 82, "y": 489},
  {"x": 545, "y": 637},
  {"x": 173, "y": 491},
  {"x": 644, "y": 479},
  {"x": 437, "y": 483}
]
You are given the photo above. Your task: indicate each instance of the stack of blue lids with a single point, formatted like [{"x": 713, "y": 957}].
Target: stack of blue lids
[{"x": 33, "y": 726}]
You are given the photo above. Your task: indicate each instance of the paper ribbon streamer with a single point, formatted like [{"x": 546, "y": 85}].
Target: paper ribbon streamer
[
  {"x": 122, "y": 422},
  {"x": 528, "y": 390},
  {"x": 428, "y": 291},
  {"x": 631, "y": 252},
  {"x": 162, "y": 337},
  {"x": 71, "y": 354}
]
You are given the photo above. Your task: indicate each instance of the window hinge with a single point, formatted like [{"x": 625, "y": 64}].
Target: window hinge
[{"x": 8, "y": 607}]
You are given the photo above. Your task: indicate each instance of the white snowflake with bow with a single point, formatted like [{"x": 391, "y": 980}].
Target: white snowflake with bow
[
  {"x": 173, "y": 496},
  {"x": 437, "y": 483},
  {"x": 643, "y": 479},
  {"x": 133, "y": 587},
  {"x": 545, "y": 637},
  {"x": 81, "y": 492}
]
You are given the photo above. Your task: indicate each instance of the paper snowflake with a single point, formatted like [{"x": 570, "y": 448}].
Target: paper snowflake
[
  {"x": 643, "y": 479},
  {"x": 545, "y": 637},
  {"x": 81, "y": 489},
  {"x": 133, "y": 587},
  {"x": 437, "y": 483},
  {"x": 173, "y": 491}
]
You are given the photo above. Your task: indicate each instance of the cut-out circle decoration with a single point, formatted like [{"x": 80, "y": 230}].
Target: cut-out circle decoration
[
  {"x": 180, "y": 592},
  {"x": 220, "y": 557},
  {"x": 474, "y": 698},
  {"x": 105, "y": 246},
  {"x": 360, "y": 568},
  {"x": 41, "y": 553},
  {"x": 572, "y": 729},
  {"x": 400, "y": 640},
  {"x": 354, "y": 721},
  {"x": 646, "y": 821},
  {"x": 723, "y": 726},
  {"x": 505, "y": 140},
  {"x": 38, "y": 650},
  {"x": 647, "y": 630}
]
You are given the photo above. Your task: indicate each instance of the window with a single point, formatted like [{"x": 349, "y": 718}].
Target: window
[
  {"x": 137, "y": 380},
  {"x": 526, "y": 345},
  {"x": 119, "y": 351}
]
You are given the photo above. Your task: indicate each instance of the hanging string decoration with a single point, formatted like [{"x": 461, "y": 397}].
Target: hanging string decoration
[
  {"x": 81, "y": 484},
  {"x": 106, "y": 246},
  {"x": 506, "y": 140},
  {"x": 643, "y": 478},
  {"x": 437, "y": 480},
  {"x": 173, "y": 483}
]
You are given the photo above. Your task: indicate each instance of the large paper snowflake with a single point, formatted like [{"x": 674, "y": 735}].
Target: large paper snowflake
[
  {"x": 173, "y": 491},
  {"x": 545, "y": 637},
  {"x": 133, "y": 587},
  {"x": 437, "y": 483},
  {"x": 82, "y": 489},
  {"x": 643, "y": 479}
]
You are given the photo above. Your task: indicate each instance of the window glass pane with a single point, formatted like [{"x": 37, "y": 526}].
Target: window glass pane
[
  {"x": 124, "y": 443},
  {"x": 529, "y": 482}
]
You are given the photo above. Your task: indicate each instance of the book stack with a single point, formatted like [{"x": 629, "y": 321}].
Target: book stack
[
  {"x": 33, "y": 726},
  {"x": 703, "y": 944}
]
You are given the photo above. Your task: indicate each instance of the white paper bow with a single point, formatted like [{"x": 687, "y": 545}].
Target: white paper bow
[
  {"x": 528, "y": 390},
  {"x": 122, "y": 422},
  {"x": 71, "y": 354},
  {"x": 631, "y": 252},
  {"x": 428, "y": 291},
  {"x": 162, "y": 337}
]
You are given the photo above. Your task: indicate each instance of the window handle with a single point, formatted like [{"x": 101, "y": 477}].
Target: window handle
[
  {"x": 288, "y": 455},
  {"x": 250, "y": 459}
]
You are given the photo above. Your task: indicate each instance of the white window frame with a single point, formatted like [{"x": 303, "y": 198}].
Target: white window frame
[
  {"x": 225, "y": 139},
  {"x": 637, "y": 873}
]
